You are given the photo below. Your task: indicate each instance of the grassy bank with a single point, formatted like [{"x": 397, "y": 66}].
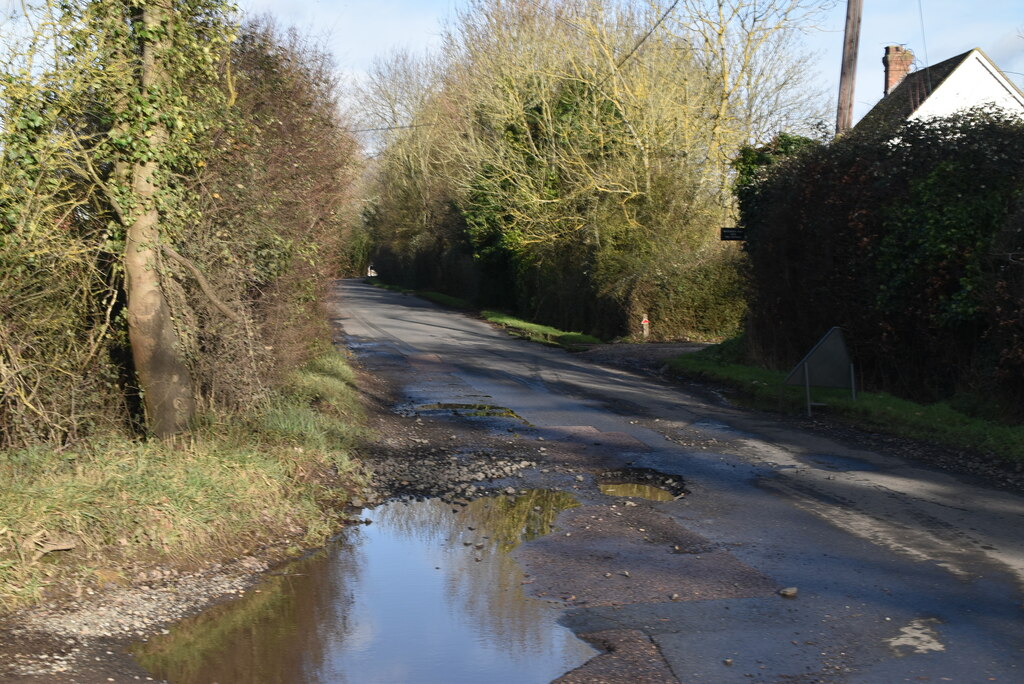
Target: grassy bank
[
  {"x": 535, "y": 332},
  {"x": 83, "y": 516},
  {"x": 939, "y": 423}
]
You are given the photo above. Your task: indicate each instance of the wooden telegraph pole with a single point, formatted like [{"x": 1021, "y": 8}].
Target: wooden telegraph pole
[{"x": 844, "y": 115}]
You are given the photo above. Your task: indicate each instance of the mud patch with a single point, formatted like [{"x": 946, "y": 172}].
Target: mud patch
[
  {"x": 586, "y": 446},
  {"x": 468, "y": 411}
]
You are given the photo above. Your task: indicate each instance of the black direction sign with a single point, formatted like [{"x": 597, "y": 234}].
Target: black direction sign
[{"x": 734, "y": 233}]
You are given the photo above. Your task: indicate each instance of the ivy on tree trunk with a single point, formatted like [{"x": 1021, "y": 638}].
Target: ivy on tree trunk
[{"x": 163, "y": 375}]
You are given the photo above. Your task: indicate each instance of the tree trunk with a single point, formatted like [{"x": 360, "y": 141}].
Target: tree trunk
[{"x": 163, "y": 375}]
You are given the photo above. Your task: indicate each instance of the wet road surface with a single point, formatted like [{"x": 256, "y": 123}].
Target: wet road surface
[{"x": 903, "y": 573}]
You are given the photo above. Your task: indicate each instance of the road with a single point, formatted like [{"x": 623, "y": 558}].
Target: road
[{"x": 903, "y": 573}]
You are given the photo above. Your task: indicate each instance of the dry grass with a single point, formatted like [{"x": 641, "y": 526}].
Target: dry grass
[{"x": 232, "y": 486}]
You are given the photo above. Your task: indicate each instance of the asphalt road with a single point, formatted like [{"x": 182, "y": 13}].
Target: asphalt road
[{"x": 903, "y": 573}]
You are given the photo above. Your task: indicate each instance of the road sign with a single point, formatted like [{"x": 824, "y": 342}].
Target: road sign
[
  {"x": 734, "y": 233},
  {"x": 828, "y": 364}
]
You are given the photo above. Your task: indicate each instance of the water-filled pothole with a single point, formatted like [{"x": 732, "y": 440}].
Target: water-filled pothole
[
  {"x": 641, "y": 483},
  {"x": 637, "y": 491},
  {"x": 427, "y": 593},
  {"x": 466, "y": 411}
]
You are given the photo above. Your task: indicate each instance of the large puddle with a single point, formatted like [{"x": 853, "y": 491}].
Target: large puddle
[{"x": 427, "y": 593}]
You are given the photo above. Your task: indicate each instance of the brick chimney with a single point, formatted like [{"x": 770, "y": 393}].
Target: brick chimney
[{"x": 897, "y": 63}]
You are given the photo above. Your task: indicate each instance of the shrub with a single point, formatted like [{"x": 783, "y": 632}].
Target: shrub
[{"x": 910, "y": 240}]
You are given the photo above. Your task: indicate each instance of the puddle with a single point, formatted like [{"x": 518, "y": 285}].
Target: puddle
[
  {"x": 641, "y": 483},
  {"x": 468, "y": 410},
  {"x": 427, "y": 593},
  {"x": 638, "y": 491}
]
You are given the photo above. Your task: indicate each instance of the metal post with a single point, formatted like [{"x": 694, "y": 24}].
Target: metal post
[{"x": 807, "y": 386}]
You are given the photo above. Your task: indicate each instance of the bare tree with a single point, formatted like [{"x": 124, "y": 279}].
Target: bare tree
[{"x": 752, "y": 51}]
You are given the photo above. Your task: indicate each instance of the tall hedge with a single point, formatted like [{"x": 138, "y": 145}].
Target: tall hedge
[{"x": 909, "y": 238}]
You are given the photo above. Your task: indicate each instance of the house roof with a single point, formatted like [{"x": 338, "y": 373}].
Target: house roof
[{"x": 910, "y": 94}]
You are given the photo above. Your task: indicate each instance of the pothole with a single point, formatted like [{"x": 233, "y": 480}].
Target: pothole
[
  {"x": 460, "y": 410},
  {"x": 641, "y": 483}
]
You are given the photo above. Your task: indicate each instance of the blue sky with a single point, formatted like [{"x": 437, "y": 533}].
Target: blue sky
[{"x": 356, "y": 30}]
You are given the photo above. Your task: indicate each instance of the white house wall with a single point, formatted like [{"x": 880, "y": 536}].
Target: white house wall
[{"x": 975, "y": 82}]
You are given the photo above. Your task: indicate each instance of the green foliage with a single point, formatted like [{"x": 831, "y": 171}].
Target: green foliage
[
  {"x": 545, "y": 334},
  {"x": 909, "y": 240},
  {"x": 254, "y": 170},
  {"x": 752, "y": 161},
  {"x": 547, "y": 181}
]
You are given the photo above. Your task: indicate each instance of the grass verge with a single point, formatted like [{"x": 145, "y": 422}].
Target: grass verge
[
  {"x": 446, "y": 300},
  {"x": 939, "y": 423},
  {"x": 535, "y": 332},
  {"x": 83, "y": 516}
]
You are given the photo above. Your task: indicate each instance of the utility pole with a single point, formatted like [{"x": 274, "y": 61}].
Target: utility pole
[{"x": 844, "y": 115}]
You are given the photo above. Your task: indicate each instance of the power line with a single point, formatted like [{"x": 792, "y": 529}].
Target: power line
[
  {"x": 924, "y": 44},
  {"x": 647, "y": 35},
  {"x": 386, "y": 128},
  {"x": 643, "y": 40},
  {"x": 582, "y": 30}
]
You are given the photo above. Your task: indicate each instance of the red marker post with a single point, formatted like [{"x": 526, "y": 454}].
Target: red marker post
[{"x": 646, "y": 325}]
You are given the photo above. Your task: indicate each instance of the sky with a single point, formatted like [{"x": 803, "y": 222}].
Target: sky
[{"x": 357, "y": 30}]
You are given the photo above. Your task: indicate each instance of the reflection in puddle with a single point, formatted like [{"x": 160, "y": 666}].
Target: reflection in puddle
[
  {"x": 639, "y": 491},
  {"x": 472, "y": 410},
  {"x": 425, "y": 594},
  {"x": 462, "y": 410}
]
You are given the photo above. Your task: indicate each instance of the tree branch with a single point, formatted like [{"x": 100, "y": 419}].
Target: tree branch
[{"x": 204, "y": 284}]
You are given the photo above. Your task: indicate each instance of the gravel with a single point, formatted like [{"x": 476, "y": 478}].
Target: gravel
[{"x": 84, "y": 639}]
